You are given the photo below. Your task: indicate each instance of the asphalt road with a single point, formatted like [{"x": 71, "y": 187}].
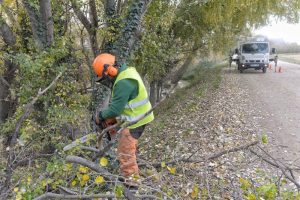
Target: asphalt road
[{"x": 276, "y": 102}]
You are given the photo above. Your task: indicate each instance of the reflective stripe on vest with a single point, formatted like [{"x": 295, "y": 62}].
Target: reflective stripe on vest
[
  {"x": 140, "y": 105},
  {"x": 137, "y": 104},
  {"x": 130, "y": 118}
]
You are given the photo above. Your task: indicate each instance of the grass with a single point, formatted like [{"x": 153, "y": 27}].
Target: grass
[
  {"x": 200, "y": 78},
  {"x": 292, "y": 58}
]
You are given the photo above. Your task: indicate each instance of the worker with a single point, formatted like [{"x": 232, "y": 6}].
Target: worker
[
  {"x": 129, "y": 102},
  {"x": 230, "y": 59}
]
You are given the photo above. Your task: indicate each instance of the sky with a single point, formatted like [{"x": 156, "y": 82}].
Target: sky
[{"x": 281, "y": 30}]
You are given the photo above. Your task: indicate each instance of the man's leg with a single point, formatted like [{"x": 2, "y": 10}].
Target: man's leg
[{"x": 127, "y": 146}]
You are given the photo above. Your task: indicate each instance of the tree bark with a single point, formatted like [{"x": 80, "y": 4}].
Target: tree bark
[
  {"x": 7, "y": 102},
  {"x": 4, "y": 92},
  {"x": 41, "y": 23},
  {"x": 175, "y": 77},
  {"x": 153, "y": 92},
  {"x": 93, "y": 13},
  {"x": 7, "y": 35},
  {"x": 158, "y": 90},
  {"x": 35, "y": 23},
  {"x": 46, "y": 15},
  {"x": 111, "y": 17},
  {"x": 126, "y": 41},
  {"x": 7, "y": 79}
]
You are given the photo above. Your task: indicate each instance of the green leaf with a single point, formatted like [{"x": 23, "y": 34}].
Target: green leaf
[
  {"x": 119, "y": 191},
  {"x": 264, "y": 139},
  {"x": 267, "y": 191},
  {"x": 251, "y": 196},
  {"x": 245, "y": 184}
]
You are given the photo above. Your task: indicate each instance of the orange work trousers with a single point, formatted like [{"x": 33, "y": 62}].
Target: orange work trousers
[{"x": 127, "y": 147}]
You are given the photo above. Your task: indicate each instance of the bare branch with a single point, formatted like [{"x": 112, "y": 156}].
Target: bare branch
[
  {"x": 83, "y": 19},
  {"x": 277, "y": 165},
  {"x": 90, "y": 149},
  {"x": 87, "y": 163},
  {"x": 89, "y": 26},
  {"x": 64, "y": 190},
  {"x": 27, "y": 160},
  {"x": 4, "y": 81},
  {"x": 50, "y": 195},
  {"x": 211, "y": 157}
]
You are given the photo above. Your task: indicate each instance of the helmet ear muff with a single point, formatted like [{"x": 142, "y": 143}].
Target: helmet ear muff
[{"x": 110, "y": 70}]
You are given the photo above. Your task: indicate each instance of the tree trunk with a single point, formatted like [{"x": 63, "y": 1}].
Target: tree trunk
[
  {"x": 41, "y": 23},
  {"x": 46, "y": 15},
  {"x": 4, "y": 103},
  {"x": 158, "y": 90},
  {"x": 153, "y": 92},
  {"x": 126, "y": 41},
  {"x": 7, "y": 35},
  {"x": 175, "y": 77},
  {"x": 35, "y": 23},
  {"x": 111, "y": 16},
  {"x": 91, "y": 27},
  {"x": 6, "y": 80}
]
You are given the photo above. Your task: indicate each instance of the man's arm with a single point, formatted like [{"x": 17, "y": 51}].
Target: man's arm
[{"x": 124, "y": 91}]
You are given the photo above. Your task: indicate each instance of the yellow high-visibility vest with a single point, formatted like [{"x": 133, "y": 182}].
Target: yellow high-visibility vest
[{"x": 140, "y": 105}]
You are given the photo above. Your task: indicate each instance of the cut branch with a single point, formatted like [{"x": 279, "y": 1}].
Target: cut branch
[
  {"x": 87, "y": 163},
  {"x": 90, "y": 149},
  {"x": 50, "y": 195}
]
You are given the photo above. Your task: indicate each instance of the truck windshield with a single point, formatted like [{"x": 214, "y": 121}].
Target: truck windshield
[{"x": 255, "y": 48}]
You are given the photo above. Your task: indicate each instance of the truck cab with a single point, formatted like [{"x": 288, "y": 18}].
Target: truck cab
[{"x": 254, "y": 55}]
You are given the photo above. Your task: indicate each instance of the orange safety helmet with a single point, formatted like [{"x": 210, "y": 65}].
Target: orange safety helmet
[{"x": 104, "y": 64}]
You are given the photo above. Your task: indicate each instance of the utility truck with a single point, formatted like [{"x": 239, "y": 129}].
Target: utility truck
[{"x": 254, "y": 53}]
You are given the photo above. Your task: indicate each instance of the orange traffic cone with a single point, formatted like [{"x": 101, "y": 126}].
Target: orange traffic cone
[{"x": 280, "y": 70}]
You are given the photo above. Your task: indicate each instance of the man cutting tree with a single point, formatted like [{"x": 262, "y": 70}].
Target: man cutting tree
[{"x": 129, "y": 103}]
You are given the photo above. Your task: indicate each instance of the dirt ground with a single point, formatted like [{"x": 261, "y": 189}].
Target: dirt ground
[{"x": 275, "y": 99}]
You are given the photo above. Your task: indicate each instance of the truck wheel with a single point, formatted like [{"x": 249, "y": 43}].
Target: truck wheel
[
  {"x": 264, "y": 69},
  {"x": 240, "y": 68}
]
